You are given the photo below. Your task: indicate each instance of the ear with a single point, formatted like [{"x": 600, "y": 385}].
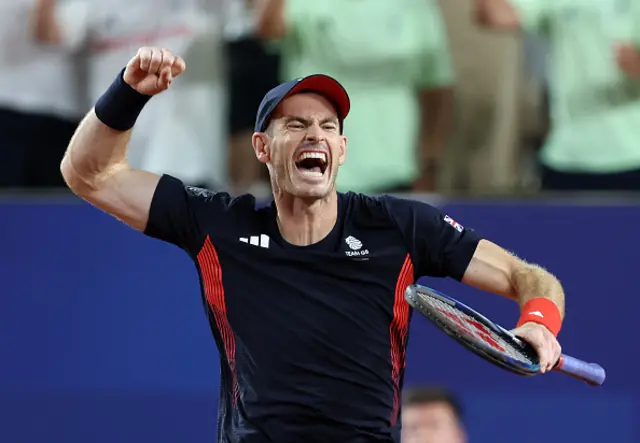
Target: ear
[
  {"x": 260, "y": 142},
  {"x": 342, "y": 154}
]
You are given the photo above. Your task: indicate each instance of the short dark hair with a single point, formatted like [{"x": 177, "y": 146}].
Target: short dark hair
[{"x": 422, "y": 395}]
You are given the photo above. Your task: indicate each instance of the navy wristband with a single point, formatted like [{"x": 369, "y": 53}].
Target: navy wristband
[{"x": 120, "y": 105}]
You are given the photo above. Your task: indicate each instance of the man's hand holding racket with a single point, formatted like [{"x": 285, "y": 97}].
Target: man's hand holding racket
[
  {"x": 529, "y": 349},
  {"x": 543, "y": 341}
]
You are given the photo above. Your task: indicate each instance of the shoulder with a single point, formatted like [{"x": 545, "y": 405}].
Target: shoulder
[
  {"x": 242, "y": 202},
  {"x": 172, "y": 193},
  {"x": 385, "y": 208},
  {"x": 363, "y": 206},
  {"x": 384, "y": 202}
]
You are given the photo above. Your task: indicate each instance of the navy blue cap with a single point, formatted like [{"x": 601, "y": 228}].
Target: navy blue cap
[{"x": 321, "y": 84}]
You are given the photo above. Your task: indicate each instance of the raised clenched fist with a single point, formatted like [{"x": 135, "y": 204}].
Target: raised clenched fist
[{"x": 152, "y": 70}]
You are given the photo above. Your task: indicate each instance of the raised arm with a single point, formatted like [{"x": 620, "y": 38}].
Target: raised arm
[
  {"x": 95, "y": 166},
  {"x": 539, "y": 294}
]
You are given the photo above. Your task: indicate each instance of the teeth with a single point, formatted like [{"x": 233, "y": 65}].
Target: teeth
[
  {"x": 319, "y": 155},
  {"x": 312, "y": 173}
]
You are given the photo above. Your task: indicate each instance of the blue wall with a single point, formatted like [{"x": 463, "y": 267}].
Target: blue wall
[{"x": 103, "y": 337}]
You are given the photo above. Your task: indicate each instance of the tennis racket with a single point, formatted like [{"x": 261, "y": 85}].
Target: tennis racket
[{"x": 490, "y": 340}]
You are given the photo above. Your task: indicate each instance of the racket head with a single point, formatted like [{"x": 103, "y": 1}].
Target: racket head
[{"x": 474, "y": 331}]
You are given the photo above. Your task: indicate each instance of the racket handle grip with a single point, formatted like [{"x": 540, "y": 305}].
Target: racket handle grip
[{"x": 591, "y": 373}]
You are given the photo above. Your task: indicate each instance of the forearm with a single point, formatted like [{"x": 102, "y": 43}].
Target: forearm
[
  {"x": 95, "y": 166},
  {"x": 532, "y": 281},
  {"x": 95, "y": 169},
  {"x": 44, "y": 26},
  {"x": 95, "y": 153}
]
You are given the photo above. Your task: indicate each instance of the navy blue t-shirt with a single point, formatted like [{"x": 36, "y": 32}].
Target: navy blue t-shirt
[{"x": 312, "y": 339}]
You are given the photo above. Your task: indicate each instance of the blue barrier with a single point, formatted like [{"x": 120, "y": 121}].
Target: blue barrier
[{"x": 103, "y": 337}]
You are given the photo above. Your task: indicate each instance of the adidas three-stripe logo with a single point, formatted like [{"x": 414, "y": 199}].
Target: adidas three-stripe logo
[{"x": 262, "y": 240}]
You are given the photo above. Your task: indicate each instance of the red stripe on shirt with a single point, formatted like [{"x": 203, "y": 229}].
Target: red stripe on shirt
[
  {"x": 211, "y": 272},
  {"x": 398, "y": 331}
]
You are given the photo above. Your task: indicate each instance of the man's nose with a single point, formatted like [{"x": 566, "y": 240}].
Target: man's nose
[{"x": 314, "y": 133}]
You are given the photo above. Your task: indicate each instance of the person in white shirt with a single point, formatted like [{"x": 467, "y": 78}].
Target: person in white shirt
[
  {"x": 39, "y": 102},
  {"x": 193, "y": 117}
]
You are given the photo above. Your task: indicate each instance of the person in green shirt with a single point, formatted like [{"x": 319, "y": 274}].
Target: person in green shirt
[
  {"x": 594, "y": 76},
  {"x": 393, "y": 58}
]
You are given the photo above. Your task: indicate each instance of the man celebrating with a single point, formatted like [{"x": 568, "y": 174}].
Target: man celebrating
[{"x": 305, "y": 296}]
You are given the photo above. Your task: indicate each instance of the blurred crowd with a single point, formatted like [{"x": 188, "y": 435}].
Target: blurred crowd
[{"x": 451, "y": 96}]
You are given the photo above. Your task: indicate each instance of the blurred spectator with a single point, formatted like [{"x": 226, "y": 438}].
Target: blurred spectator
[
  {"x": 392, "y": 57},
  {"x": 536, "y": 66},
  {"x": 39, "y": 102},
  {"x": 431, "y": 415},
  {"x": 594, "y": 87},
  {"x": 496, "y": 107},
  {"x": 252, "y": 70},
  {"x": 184, "y": 132}
]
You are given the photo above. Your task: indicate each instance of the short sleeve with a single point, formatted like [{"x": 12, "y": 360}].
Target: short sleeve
[
  {"x": 439, "y": 245},
  {"x": 184, "y": 215},
  {"x": 533, "y": 14},
  {"x": 436, "y": 66}
]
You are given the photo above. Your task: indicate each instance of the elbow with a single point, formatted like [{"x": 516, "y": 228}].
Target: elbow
[
  {"x": 77, "y": 182},
  {"x": 70, "y": 177}
]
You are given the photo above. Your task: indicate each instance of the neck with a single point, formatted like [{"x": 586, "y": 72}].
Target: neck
[{"x": 303, "y": 222}]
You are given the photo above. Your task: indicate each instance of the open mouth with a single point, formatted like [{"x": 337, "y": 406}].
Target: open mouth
[{"x": 312, "y": 163}]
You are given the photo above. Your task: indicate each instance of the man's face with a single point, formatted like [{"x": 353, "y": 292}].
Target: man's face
[
  {"x": 303, "y": 147},
  {"x": 431, "y": 423}
]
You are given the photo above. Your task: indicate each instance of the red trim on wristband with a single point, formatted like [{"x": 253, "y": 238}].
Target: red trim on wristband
[{"x": 542, "y": 311}]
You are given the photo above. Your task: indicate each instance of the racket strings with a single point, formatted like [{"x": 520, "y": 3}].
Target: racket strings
[{"x": 465, "y": 325}]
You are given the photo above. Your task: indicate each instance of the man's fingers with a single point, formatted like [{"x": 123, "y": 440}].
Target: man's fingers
[
  {"x": 557, "y": 352},
  {"x": 550, "y": 353},
  {"x": 543, "y": 347},
  {"x": 134, "y": 62},
  {"x": 156, "y": 61},
  {"x": 164, "y": 79},
  {"x": 152, "y": 69},
  {"x": 151, "y": 59},
  {"x": 167, "y": 60},
  {"x": 550, "y": 345},
  {"x": 543, "y": 342},
  {"x": 178, "y": 66},
  {"x": 554, "y": 351},
  {"x": 145, "y": 55}
]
